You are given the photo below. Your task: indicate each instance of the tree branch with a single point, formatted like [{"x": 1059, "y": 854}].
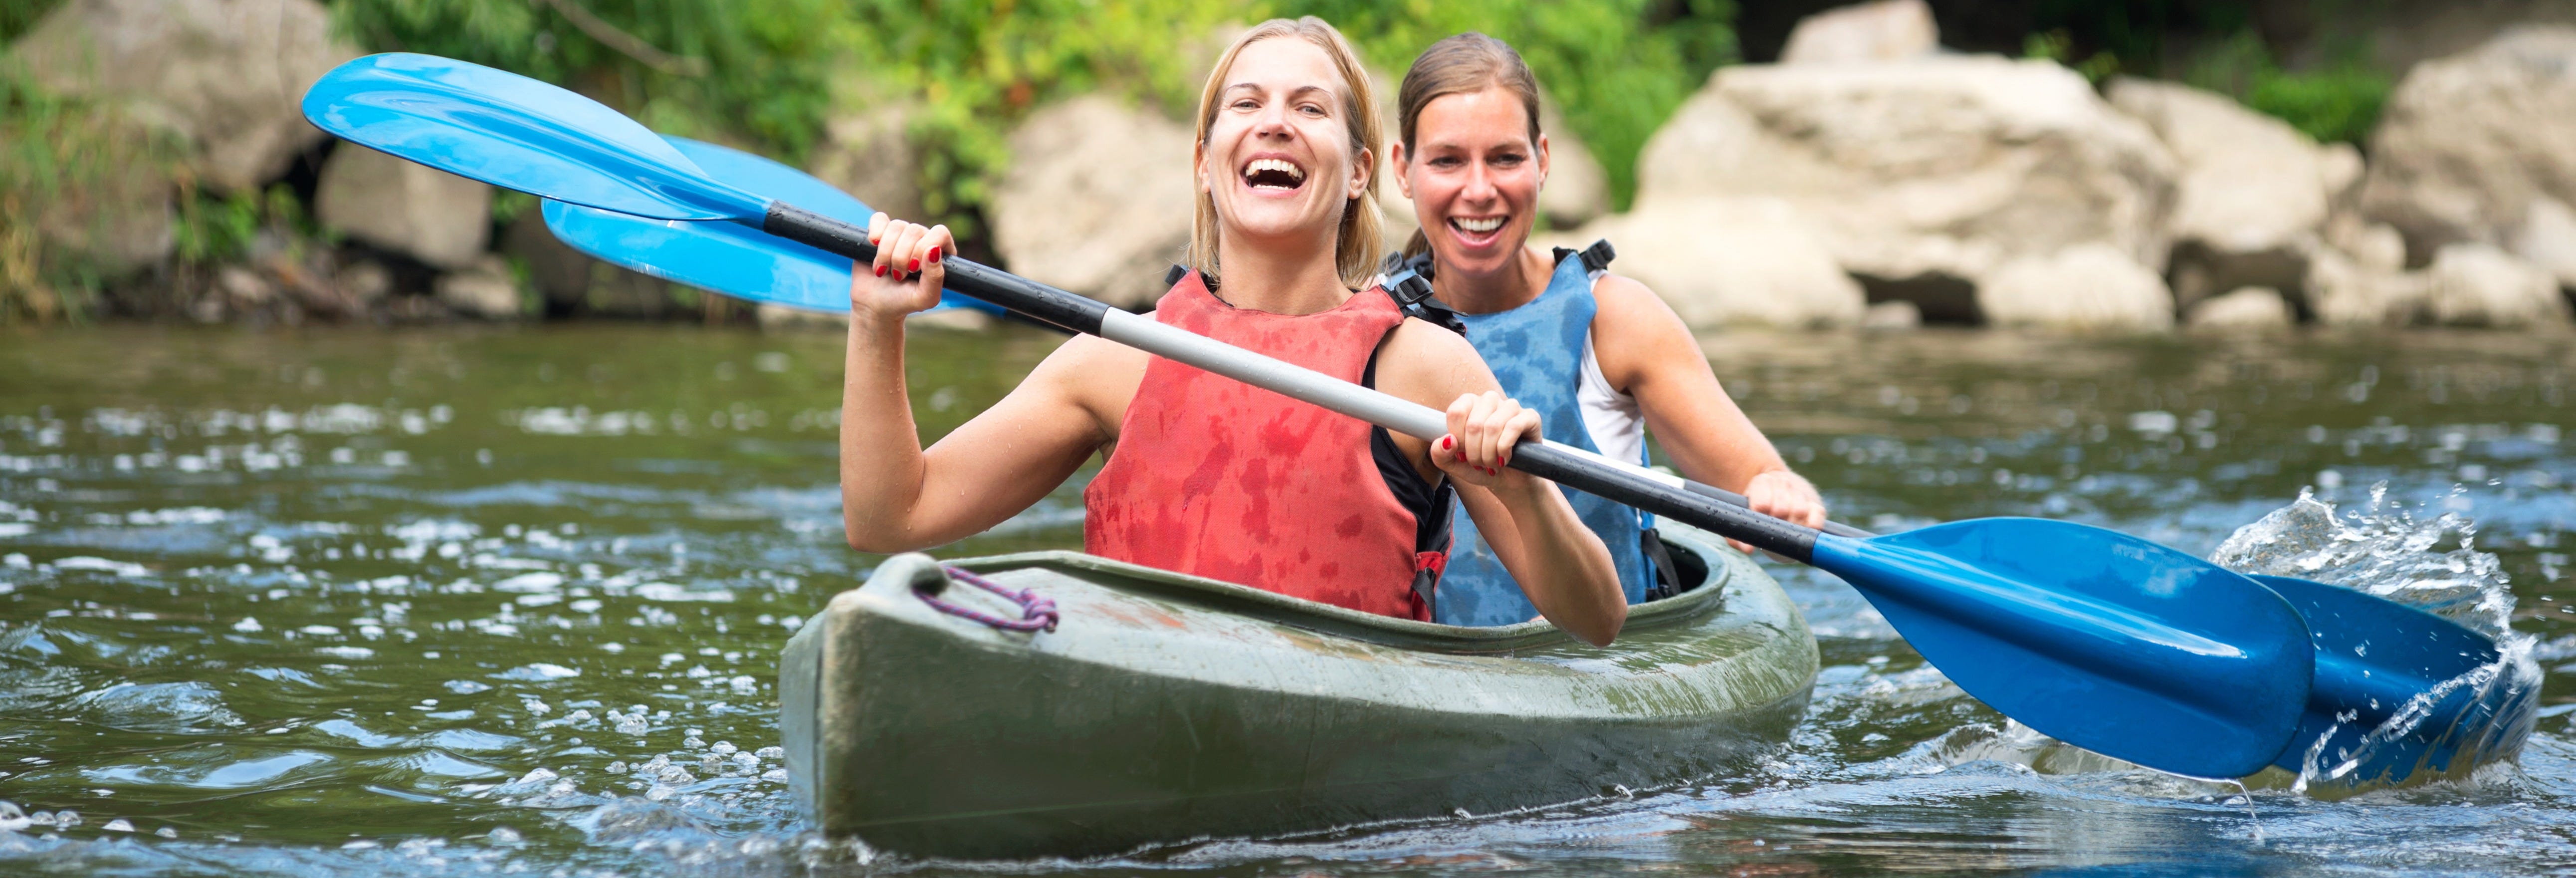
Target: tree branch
[{"x": 625, "y": 43}]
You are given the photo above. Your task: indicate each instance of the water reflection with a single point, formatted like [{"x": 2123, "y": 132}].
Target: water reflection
[{"x": 438, "y": 603}]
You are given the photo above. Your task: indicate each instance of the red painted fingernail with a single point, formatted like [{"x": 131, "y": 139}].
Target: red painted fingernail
[
  {"x": 934, "y": 256},
  {"x": 881, "y": 270},
  {"x": 1444, "y": 443},
  {"x": 915, "y": 266}
]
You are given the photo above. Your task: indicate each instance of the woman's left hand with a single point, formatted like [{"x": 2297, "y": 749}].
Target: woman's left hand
[
  {"x": 1483, "y": 427},
  {"x": 1784, "y": 495}
]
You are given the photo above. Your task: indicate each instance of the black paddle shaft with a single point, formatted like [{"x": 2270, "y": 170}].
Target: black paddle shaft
[{"x": 1725, "y": 515}]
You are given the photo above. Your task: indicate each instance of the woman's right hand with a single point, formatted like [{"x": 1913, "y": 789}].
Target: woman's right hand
[{"x": 907, "y": 273}]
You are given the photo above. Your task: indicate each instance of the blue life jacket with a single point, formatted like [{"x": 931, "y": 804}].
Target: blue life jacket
[{"x": 1536, "y": 351}]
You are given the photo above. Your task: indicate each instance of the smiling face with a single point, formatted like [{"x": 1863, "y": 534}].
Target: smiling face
[
  {"x": 1278, "y": 159},
  {"x": 1474, "y": 176}
]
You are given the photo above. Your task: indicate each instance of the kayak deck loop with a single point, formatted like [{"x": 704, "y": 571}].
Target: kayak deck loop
[{"x": 1037, "y": 613}]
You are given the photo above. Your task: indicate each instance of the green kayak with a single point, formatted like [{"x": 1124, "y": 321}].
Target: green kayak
[{"x": 1166, "y": 707}]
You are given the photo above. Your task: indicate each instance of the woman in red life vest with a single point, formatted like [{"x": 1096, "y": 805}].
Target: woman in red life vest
[
  {"x": 1204, "y": 475},
  {"x": 1596, "y": 354}
]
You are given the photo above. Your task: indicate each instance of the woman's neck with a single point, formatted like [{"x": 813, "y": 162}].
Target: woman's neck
[
  {"x": 1294, "y": 279},
  {"x": 1516, "y": 283}
]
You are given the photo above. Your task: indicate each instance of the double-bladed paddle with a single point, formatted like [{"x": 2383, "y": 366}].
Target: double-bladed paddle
[{"x": 2102, "y": 640}]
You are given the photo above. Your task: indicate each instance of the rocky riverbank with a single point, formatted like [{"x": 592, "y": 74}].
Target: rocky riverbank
[{"x": 1868, "y": 178}]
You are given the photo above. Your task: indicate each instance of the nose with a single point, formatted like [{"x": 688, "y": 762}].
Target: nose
[
  {"x": 1480, "y": 184},
  {"x": 1273, "y": 122}
]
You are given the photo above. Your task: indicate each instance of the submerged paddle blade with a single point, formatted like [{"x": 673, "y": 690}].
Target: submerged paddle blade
[
  {"x": 2109, "y": 642},
  {"x": 2454, "y": 700},
  {"x": 517, "y": 133},
  {"x": 724, "y": 257}
]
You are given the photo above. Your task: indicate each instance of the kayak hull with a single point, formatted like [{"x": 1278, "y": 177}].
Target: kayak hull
[{"x": 1165, "y": 708}]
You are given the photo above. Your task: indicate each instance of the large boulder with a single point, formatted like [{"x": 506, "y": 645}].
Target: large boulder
[
  {"x": 484, "y": 289},
  {"x": 1886, "y": 30},
  {"x": 2092, "y": 286},
  {"x": 2343, "y": 290},
  {"x": 2252, "y": 188},
  {"x": 2476, "y": 284},
  {"x": 1577, "y": 189},
  {"x": 1939, "y": 168},
  {"x": 436, "y": 217},
  {"x": 112, "y": 212},
  {"x": 229, "y": 75},
  {"x": 2245, "y": 309},
  {"x": 870, "y": 154},
  {"x": 1098, "y": 199},
  {"x": 2474, "y": 147},
  {"x": 1721, "y": 262}
]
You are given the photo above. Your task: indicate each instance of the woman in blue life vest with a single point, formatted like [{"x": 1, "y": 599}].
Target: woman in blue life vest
[
  {"x": 1596, "y": 354},
  {"x": 1205, "y": 475}
]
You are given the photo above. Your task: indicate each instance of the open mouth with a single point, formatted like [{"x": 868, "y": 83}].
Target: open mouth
[
  {"x": 1478, "y": 225},
  {"x": 1276, "y": 174}
]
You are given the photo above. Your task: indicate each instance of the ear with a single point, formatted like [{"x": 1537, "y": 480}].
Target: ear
[
  {"x": 1403, "y": 168},
  {"x": 1362, "y": 166},
  {"x": 1542, "y": 159},
  {"x": 1198, "y": 165}
]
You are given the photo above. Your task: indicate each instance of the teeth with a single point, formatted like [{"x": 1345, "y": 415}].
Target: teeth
[
  {"x": 1260, "y": 165},
  {"x": 1477, "y": 225}
]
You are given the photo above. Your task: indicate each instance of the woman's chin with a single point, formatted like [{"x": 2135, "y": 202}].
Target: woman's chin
[
  {"x": 1474, "y": 254},
  {"x": 1278, "y": 221}
]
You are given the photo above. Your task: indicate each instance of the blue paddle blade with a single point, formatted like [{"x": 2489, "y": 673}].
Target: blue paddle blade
[
  {"x": 731, "y": 258},
  {"x": 2105, "y": 641},
  {"x": 517, "y": 133},
  {"x": 2455, "y": 701}
]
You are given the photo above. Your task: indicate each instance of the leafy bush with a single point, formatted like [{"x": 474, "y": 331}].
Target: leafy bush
[{"x": 2338, "y": 102}]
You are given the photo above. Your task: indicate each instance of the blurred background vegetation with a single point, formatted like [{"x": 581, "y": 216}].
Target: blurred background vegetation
[{"x": 769, "y": 74}]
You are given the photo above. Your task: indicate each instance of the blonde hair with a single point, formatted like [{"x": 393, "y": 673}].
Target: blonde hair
[
  {"x": 1463, "y": 64},
  {"x": 1355, "y": 252}
]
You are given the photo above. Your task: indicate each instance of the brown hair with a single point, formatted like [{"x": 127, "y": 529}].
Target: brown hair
[
  {"x": 1464, "y": 64},
  {"x": 1355, "y": 251}
]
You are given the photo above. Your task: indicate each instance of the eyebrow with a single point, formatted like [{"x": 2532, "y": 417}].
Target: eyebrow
[{"x": 1295, "y": 92}]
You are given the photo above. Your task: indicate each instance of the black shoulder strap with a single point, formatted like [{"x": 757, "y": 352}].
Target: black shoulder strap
[
  {"x": 1408, "y": 281},
  {"x": 1172, "y": 276},
  {"x": 1595, "y": 258}
]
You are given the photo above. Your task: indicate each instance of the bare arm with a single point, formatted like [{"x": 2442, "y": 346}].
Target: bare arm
[
  {"x": 1653, "y": 357},
  {"x": 1560, "y": 564},
  {"x": 896, "y": 497}
]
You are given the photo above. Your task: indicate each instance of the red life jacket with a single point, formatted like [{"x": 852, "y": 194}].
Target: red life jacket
[{"x": 1214, "y": 477}]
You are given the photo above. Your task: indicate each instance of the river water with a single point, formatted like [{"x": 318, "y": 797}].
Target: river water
[{"x": 509, "y": 601}]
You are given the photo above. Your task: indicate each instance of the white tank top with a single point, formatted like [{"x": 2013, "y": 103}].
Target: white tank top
[{"x": 1618, "y": 428}]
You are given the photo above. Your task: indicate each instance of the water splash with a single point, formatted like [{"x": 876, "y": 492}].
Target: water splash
[{"x": 2383, "y": 549}]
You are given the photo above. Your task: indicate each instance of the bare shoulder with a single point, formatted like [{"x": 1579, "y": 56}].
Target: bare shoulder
[
  {"x": 1633, "y": 331},
  {"x": 1421, "y": 361},
  {"x": 1627, "y": 306}
]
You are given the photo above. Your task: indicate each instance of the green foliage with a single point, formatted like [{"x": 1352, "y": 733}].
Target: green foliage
[
  {"x": 17, "y": 16},
  {"x": 2059, "y": 46},
  {"x": 1616, "y": 67},
  {"x": 2338, "y": 102}
]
